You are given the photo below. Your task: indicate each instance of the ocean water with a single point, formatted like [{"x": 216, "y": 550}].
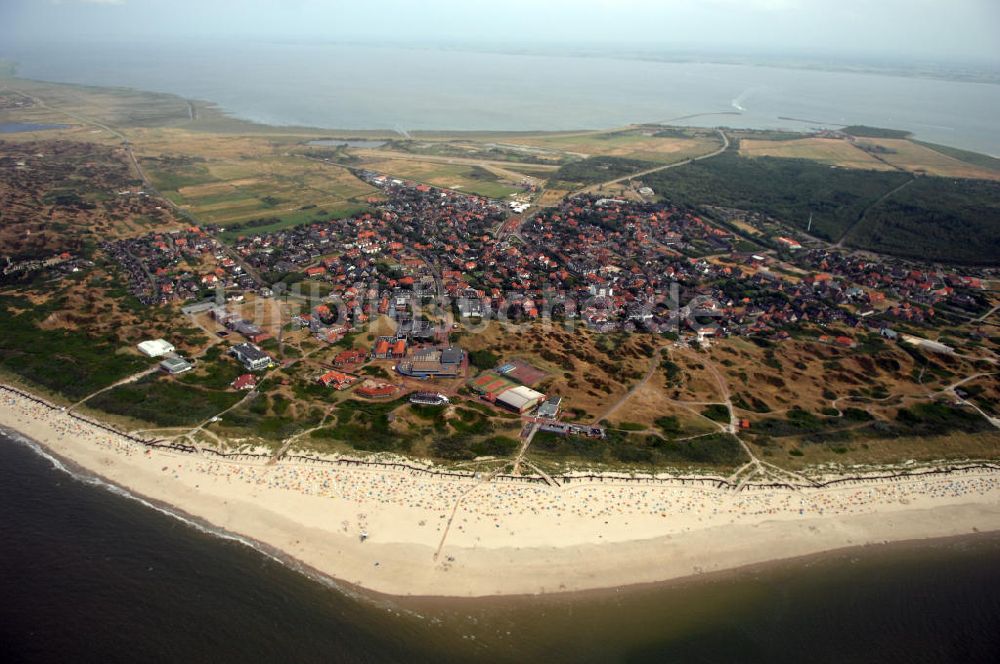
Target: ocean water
[
  {"x": 381, "y": 86},
  {"x": 87, "y": 574}
]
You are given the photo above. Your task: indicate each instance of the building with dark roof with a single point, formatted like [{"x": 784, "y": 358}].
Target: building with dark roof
[{"x": 252, "y": 357}]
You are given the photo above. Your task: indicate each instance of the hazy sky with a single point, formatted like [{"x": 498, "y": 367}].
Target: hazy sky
[{"x": 925, "y": 29}]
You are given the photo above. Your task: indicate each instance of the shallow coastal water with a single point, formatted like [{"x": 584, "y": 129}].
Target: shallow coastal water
[
  {"x": 337, "y": 143},
  {"x": 22, "y": 127},
  {"x": 356, "y": 86},
  {"x": 84, "y": 571}
]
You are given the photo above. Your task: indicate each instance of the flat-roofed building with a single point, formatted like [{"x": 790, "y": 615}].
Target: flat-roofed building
[
  {"x": 520, "y": 399},
  {"x": 550, "y": 408},
  {"x": 156, "y": 348},
  {"x": 175, "y": 365},
  {"x": 252, "y": 357},
  {"x": 433, "y": 362}
]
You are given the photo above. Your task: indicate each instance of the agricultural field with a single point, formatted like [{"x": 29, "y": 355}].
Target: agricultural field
[
  {"x": 217, "y": 169},
  {"x": 227, "y": 191},
  {"x": 974, "y": 158},
  {"x": 92, "y": 111}
]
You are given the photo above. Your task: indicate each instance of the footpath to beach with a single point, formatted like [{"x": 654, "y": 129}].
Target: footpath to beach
[{"x": 408, "y": 530}]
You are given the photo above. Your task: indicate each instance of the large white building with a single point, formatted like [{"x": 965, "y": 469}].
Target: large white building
[
  {"x": 155, "y": 348},
  {"x": 520, "y": 399}
]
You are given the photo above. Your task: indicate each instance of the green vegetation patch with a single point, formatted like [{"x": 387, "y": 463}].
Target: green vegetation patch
[
  {"x": 268, "y": 417},
  {"x": 938, "y": 418},
  {"x": 714, "y": 450},
  {"x": 164, "y": 401},
  {"x": 598, "y": 169},
  {"x": 365, "y": 426},
  {"x": 300, "y": 217},
  {"x": 462, "y": 447},
  {"x": 719, "y": 449},
  {"x": 553, "y": 444},
  {"x": 717, "y": 412},
  {"x": 483, "y": 359},
  {"x": 864, "y": 131},
  {"x": 787, "y": 189},
  {"x": 937, "y": 219},
  {"x": 173, "y": 173},
  {"x": 70, "y": 363}
]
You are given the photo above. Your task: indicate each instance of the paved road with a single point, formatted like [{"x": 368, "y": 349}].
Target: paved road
[
  {"x": 512, "y": 228},
  {"x": 633, "y": 176}
]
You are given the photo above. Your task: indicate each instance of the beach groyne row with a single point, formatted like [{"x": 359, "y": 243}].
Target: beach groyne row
[{"x": 707, "y": 482}]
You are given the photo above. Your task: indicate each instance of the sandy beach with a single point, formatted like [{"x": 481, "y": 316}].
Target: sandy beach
[{"x": 461, "y": 536}]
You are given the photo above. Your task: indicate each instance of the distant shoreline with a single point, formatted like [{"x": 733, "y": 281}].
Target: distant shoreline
[
  {"x": 329, "y": 105},
  {"x": 501, "y": 542}
]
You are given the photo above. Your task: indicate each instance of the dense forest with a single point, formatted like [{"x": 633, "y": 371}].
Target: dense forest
[
  {"x": 597, "y": 169},
  {"x": 937, "y": 219},
  {"x": 789, "y": 190},
  {"x": 932, "y": 218}
]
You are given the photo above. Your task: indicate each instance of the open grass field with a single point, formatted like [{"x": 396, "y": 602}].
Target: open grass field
[
  {"x": 486, "y": 151},
  {"x": 832, "y": 151},
  {"x": 516, "y": 171},
  {"x": 879, "y": 154},
  {"x": 115, "y": 107},
  {"x": 552, "y": 196},
  {"x": 921, "y": 159},
  {"x": 974, "y": 158},
  {"x": 461, "y": 177},
  {"x": 631, "y": 144}
]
